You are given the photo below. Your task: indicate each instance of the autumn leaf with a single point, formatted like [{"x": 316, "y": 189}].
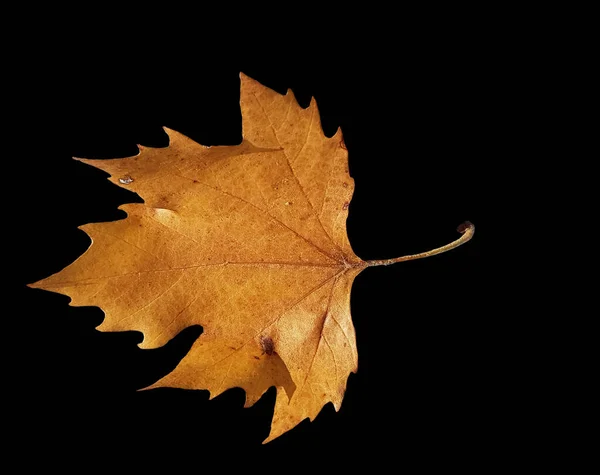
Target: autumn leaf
[{"x": 249, "y": 242}]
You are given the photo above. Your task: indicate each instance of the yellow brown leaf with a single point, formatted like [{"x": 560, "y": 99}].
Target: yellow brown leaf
[{"x": 249, "y": 242}]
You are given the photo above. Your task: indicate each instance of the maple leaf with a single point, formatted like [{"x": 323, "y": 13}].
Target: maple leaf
[{"x": 249, "y": 242}]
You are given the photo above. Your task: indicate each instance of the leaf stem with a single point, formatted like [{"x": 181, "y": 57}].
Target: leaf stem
[{"x": 467, "y": 229}]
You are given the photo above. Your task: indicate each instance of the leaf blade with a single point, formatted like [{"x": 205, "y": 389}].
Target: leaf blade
[{"x": 248, "y": 241}]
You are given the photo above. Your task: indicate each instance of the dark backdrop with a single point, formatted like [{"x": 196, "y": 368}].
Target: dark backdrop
[{"x": 422, "y": 128}]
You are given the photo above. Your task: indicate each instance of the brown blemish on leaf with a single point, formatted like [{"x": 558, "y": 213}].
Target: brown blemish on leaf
[
  {"x": 126, "y": 180},
  {"x": 267, "y": 345}
]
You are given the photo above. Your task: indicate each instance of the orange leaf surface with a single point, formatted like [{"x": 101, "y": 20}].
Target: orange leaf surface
[{"x": 249, "y": 242}]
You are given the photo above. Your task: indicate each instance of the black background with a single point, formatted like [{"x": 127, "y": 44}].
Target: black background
[{"x": 422, "y": 126}]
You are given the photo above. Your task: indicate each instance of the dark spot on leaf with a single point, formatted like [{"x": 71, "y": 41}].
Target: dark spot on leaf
[
  {"x": 267, "y": 345},
  {"x": 256, "y": 358},
  {"x": 346, "y": 204},
  {"x": 345, "y": 185}
]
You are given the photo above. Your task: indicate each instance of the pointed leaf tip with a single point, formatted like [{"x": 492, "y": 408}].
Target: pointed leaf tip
[
  {"x": 244, "y": 79},
  {"x": 87, "y": 161}
]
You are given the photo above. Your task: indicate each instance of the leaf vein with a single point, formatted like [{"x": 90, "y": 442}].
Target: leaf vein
[
  {"x": 276, "y": 319},
  {"x": 166, "y": 327},
  {"x": 294, "y": 173},
  {"x": 334, "y": 359},
  {"x": 281, "y": 223},
  {"x": 321, "y": 332},
  {"x": 162, "y": 293},
  {"x": 259, "y": 264},
  {"x": 130, "y": 243}
]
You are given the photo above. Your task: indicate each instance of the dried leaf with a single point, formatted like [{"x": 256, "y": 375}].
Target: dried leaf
[{"x": 248, "y": 241}]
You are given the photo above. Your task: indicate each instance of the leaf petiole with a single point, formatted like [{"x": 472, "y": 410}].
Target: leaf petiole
[{"x": 467, "y": 229}]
